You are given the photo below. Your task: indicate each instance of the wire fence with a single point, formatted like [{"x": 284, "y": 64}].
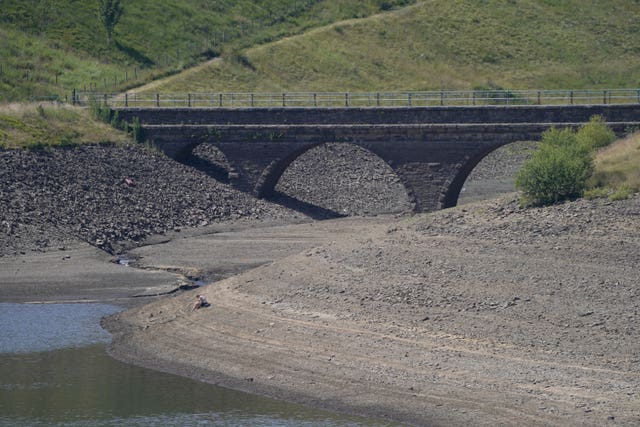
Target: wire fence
[{"x": 359, "y": 99}]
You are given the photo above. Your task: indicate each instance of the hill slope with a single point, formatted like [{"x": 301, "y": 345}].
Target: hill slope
[
  {"x": 49, "y": 48},
  {"x": 447, "y": 44}
]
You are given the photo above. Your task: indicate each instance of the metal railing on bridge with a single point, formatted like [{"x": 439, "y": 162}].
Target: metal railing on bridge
[{"x": 360, "y": 99}]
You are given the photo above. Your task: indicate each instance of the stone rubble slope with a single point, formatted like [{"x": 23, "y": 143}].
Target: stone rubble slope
[{"x": 111, "y": 197}]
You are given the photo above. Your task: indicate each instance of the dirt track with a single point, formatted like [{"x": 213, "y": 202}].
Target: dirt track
[{"x": 481, "y": 315}]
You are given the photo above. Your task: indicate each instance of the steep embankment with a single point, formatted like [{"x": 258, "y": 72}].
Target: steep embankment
[{"x": 444, "y": 44}]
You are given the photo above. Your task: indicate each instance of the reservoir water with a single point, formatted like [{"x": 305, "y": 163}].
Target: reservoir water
[{"x": 54, "y": 371}]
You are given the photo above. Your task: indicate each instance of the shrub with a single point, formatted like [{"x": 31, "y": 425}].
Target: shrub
[
  {"x": 136, "y": 130},
  {"x": 99, "y": 111},
  {"x": 595, "y": 134},
  {"x": 558, "y": 170}
]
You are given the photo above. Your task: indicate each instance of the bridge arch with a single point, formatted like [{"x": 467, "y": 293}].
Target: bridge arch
[
  {"x": 459, "y": 178},
  {"x": 344, "y": 177}
]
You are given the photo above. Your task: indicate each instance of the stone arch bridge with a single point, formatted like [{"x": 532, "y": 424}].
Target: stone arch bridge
[{"x": 431, "y": 149}]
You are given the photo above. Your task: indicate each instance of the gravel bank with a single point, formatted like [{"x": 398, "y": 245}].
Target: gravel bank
[
  {"x": 112, "y": 197},
  {"x": 484, "y": 314}
]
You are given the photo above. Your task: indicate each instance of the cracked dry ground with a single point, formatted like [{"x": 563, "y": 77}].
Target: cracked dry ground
[{"x": 484, "y": 314}]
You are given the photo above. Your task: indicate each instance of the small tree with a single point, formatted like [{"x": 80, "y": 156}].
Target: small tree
[
  {"x": 109, "y": 13},
  {"x": 558, "y": 170}
]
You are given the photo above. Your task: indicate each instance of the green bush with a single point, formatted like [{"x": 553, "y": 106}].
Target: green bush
[
  {"x": 558, "y": 170},
  {"x": 595, "y": 134}
]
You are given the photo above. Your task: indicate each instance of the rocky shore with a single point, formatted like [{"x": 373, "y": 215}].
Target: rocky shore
[{"x": 109, "y": 196}]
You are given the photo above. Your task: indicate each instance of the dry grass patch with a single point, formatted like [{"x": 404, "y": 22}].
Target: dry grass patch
[
  {"x": 39, "y": 125},
  {"x": 617, "y": 167}
]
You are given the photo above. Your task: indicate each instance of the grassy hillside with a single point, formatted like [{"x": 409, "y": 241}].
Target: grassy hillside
[
  {"x": 48, "y": 47},
  {"x": 450, "y": 44},
  {"x": 52, "y": 125}
]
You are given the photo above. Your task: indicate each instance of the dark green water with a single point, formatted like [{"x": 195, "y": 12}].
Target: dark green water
[{"x": 75, "y": 383}]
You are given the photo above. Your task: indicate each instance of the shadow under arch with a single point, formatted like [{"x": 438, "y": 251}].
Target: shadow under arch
[
  {"x": 211, "y": 160},
  {"x": 339, "y": 178},
  {"x": 453, "y": 187}
]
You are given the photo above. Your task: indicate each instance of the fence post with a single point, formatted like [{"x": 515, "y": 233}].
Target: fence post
[
  {"x": 315, "y": 99},
  {"x": 441, "y": 98},
  {"x": 473, "y": 97},
  {"x": 251, "y": 99},
  {"x": 346, "y": 99},
  {"x": 378, "y": 99},
  {"x": 409, "y": 99},
  {"x": 126, "y": 99},
  {"x": 220, "y": 103},
  {"x": 105, "y": 99},
  {"x": 284, "y": 102},
  {"x": 73, "y": 97},
  {"x": 604, "y": 97},
  {"x": 188, "y": 100},
  {"x": 571, "y": 97},
  {"x": 157, "y": 99},
  {"x": 539, "y": 100}
]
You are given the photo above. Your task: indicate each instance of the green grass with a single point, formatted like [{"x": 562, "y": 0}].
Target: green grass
[
  {"x": 48, "y": 48},
  {"x": 39, "y": 125},
  {"x": 444, "y": 44}
]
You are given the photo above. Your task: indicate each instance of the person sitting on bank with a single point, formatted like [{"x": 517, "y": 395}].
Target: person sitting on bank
[{"x": 200, "y": 302}]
